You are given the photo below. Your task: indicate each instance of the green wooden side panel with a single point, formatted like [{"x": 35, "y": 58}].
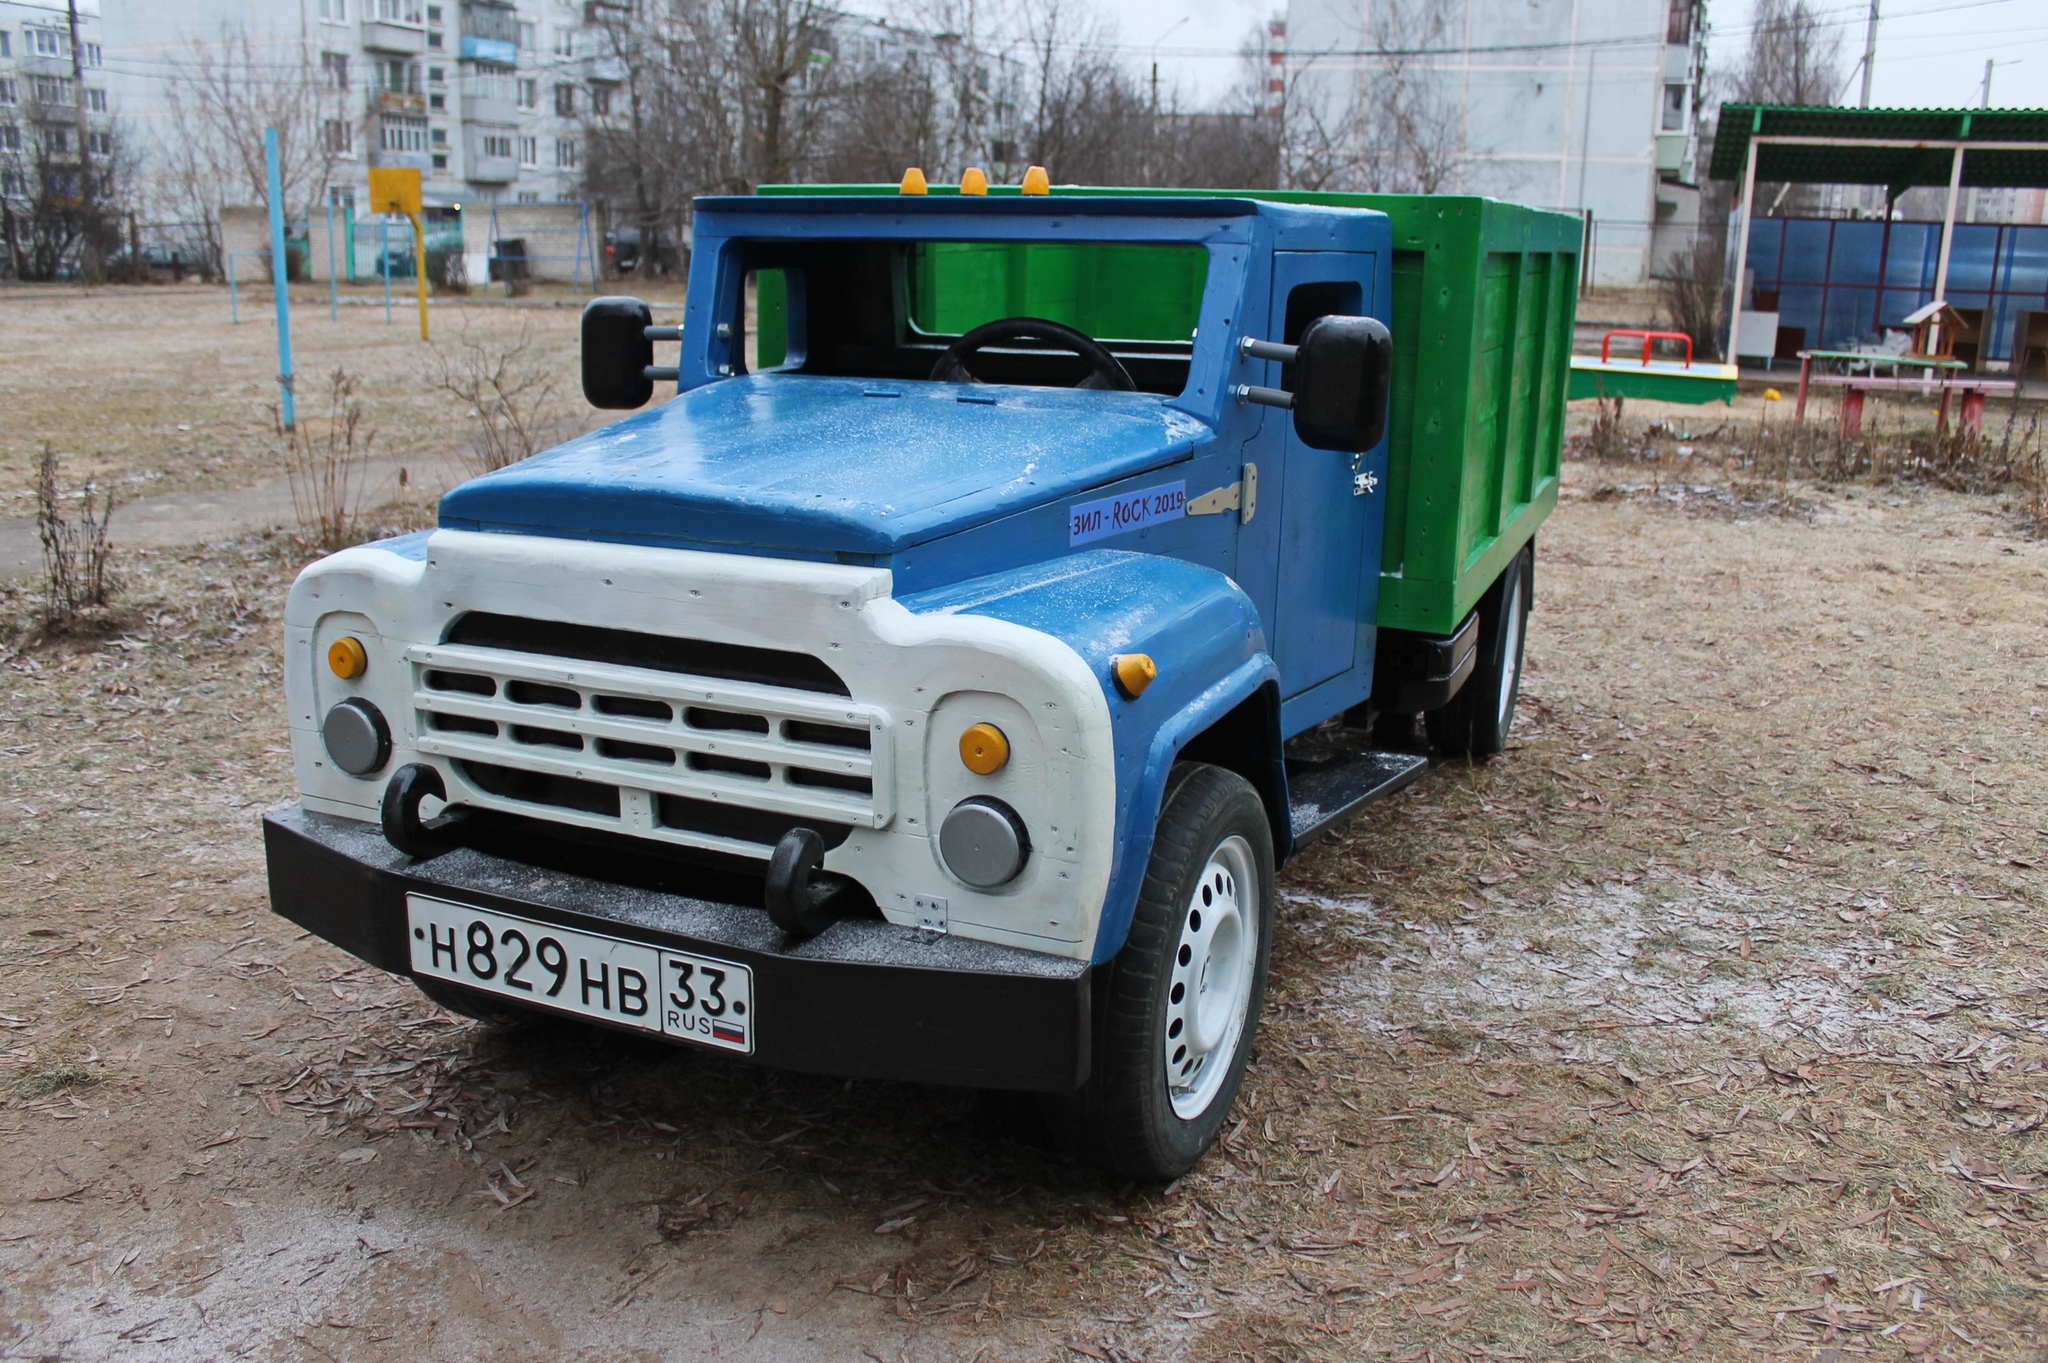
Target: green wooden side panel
[
  {"x": 1122, "y": 293},
  {"x": 1484, "y": 299}
]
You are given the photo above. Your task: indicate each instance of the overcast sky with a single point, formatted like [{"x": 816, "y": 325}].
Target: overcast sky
[{"x": 1930, "y": 53}]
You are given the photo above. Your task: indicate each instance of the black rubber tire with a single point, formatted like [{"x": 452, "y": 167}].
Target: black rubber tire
[
  {"x": 1123, "y": 1120},
  {"x": 471, "y": 1004},
  {"x": 1475, "y": 723}
]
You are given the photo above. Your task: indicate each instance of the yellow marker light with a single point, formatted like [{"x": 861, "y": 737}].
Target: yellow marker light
[
  {"x": 348, "y": 658},
  {"x": 984, "y": 749},
  {"x": 974, "y": 181},
  {"x": 1036, "y": 181},
  {"x": 913, "y": 182},
  {"x": 1133, "y": 672}
]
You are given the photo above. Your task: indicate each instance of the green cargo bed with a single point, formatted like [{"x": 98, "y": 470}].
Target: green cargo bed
[{"x": 1484, "y": 296}]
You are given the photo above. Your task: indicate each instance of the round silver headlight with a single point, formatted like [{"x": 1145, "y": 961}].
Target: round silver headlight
[
  {"x": 983, "y": 842},
  {"x": 356, "y": 736}
]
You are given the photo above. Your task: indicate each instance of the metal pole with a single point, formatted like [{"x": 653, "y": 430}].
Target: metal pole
[
  {"x": 582, "y": 235},
  {"x": 1989, "y": 62},
  {"x": 1742, "y": 250},
  {"x": 1869, "y": 51},
  {"x": 419, "y": 267},
  {"x": 333, "y": 285},
  {"x": 384, "y": 258},
  {"x": 1948, "y": 226},
  {"x": 280, "y": 278},
  {"x": 234, "y": 302}
]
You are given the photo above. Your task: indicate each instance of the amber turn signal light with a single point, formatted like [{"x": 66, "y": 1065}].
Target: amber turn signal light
[
  {"x": 974, "y": 180},
  {"x": 984, "y": 749},
  {"x": 1036, "y": 181},
  {"x": 347, "y": 657},
  {"x": 1133, "y": 672}
]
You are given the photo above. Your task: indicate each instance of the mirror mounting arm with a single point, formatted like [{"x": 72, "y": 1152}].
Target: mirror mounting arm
[{"x": 1264, "y": 397}]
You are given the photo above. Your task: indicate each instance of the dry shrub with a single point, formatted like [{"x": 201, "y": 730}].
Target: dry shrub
[
  {"x": 328, "y": 470},
  {"x": 75, "y": 554},
  {"x": 510, "y": 390},
  {"x": 1691, "y": 295}
]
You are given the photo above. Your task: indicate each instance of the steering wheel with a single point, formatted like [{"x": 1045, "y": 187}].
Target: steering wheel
[{"x": 1105, "y": 370}]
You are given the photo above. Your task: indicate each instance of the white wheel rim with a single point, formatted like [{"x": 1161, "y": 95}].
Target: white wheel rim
[
  {"x": 1511, "y": 656},
  {"x": 1209, "y": 988}
]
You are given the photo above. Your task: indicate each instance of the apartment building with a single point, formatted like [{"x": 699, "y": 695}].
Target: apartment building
[
  {"x": 55, "y": 112},
  {"x": 1589, "y": 108}
]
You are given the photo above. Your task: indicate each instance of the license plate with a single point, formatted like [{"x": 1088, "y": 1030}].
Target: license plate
[{"x": 630, "y": 984}]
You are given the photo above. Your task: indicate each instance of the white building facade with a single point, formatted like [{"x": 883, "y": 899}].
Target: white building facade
[{"x": 1582, "y": 105}]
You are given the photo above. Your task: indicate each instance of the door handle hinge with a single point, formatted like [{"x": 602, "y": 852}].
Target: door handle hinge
[{"x": 1241, "y": 496}]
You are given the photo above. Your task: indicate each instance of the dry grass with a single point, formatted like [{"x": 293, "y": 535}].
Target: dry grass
[
  {"x": 152, "y": 390},
  {"x": 1706, "y": 1022}
]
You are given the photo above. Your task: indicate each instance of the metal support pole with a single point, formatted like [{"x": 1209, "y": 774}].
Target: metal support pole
[
  {"x": 1948, "y": 225},
  {"x": 280, "y": 278},
  {"x": 1742, "y": 250},
  {"x": 333, "y": 284},
  {"x": 419, "y": 267},
  {"x": 1869, "y": 51},
  {"x": 234, "y": 300},
  {"x": 384, "y": 261},
  {"x": 582, "y": 235}
]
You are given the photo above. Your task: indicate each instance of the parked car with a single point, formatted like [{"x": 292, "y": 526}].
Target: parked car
[{"x": 622, "y": 253}]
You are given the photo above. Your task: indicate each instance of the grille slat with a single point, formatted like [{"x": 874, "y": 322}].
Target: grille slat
[{"x": 599, "y": 744}]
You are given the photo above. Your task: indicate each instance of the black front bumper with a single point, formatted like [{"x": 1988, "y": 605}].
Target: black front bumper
[{"x": 864, "y": 998}]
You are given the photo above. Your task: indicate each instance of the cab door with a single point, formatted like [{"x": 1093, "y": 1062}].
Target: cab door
[{"x": 1317, "y": 607}]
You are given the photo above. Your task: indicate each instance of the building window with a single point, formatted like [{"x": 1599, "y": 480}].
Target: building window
[
  {"x": 1678, "y": 22},
  {"x": 433, "y": 37},
  {"x": 565, "y": 101},
  {"x": 57, "y": 137},
  {"x": 47, "y": 42},
  {"x": 53, "y": 90},
  {"x": 1673, "y": 120},
  {"x": 437, "y": 102},
  {"x": 102, "y": 144},
  {"x": 92, "y": 55},
  {"x": 334, "y": 11},
  {"x": 601, "y": 100},
  {"x": 567, "y": 155},
  {"x": 96, "y": 100},
  {"x": 529, "y": 196},
  {"x": 13, "y": 185},
  {"x": 398, "y": 76},
  {"x": 529, "y": 151},
  {"x": 565, "y": 42},
  {"x": 498, "y": 144},
  {"x": 10, "y": 93},
  {"x": 433, "y": 14},
  {"x": 437, "y": 75},
  {"x": 439, "y": 137},
  {"x": 6, "y": 44},
  {"x": 441, "y": 161},
  {"x": 10, "y": 137},
  {"x": 399, "y": 11},
  {"x": 403, "y": 134},
  {"x": 527, "y": 41},
  {"x": 339, "y": 136},
  {"x": 529, "y": 94},
  {"x": 334, "y": 70}
]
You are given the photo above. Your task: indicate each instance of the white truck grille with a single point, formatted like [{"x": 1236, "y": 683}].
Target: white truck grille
[{"x": 703, "y": 762}]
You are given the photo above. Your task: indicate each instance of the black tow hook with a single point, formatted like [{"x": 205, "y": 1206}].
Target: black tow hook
[
  {"x": 798, "y": 906},
  {"x": 403, "y": 827}
]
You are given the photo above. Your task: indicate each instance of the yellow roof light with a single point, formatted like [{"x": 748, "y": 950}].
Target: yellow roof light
[
  {"x": 913, "y": 182},
  {"x": 347, "y": 657},
  {"x": 984, "y": 749},
  {"x": 1036, "y": 181},
  {"x": 974, "y": 181},
  {"x": 1133, "y": 672}
]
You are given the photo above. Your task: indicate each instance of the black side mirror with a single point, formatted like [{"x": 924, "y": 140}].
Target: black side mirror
[
  {"x": 617, "y": 353},
  {"x": 1343, "y": 372}
]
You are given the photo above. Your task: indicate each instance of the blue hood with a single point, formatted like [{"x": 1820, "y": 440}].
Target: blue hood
[{"x": 811, "y": 465}]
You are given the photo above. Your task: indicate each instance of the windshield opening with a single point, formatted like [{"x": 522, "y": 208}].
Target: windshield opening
[{"x": 890, "y": 309}]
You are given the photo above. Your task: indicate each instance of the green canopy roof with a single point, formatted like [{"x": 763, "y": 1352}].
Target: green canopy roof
[{"x": 1854, "y": 162}]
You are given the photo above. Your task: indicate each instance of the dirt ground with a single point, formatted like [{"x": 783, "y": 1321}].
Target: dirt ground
[{"x": 1706, "y": 1022}]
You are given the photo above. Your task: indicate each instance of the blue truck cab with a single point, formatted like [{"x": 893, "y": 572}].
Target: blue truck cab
[{"x": 902, "y": 698}]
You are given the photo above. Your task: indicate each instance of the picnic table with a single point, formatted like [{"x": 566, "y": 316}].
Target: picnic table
[{"x": 1950, "y": 378}]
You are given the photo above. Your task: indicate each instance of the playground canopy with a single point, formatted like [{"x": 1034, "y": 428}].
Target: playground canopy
[{"x": 1896, "y": 148}]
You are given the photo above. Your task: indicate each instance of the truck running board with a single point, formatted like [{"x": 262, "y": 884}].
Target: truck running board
[{"x": 1325, "y": 791}]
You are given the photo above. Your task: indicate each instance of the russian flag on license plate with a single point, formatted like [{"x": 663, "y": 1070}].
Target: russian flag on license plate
[{"x": 725, "y": 1031}]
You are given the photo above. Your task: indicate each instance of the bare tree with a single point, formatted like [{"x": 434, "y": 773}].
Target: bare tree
[
  {"x": 222, "y": 96},
  {"x": 63, "y": 191},
  {"x": 1388, "y": 125},
  {"x": 1793, "y": 57}
]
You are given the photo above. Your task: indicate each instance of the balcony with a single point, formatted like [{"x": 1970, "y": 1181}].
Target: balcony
[
  {"x": 478, "y": 107},
  {"x": 397, "y": 102},
  {"x": 1671, "y": 150},
  {"x": 402, "y": 160},
  {"x": 492, "y": 170},
  {"x": 494, "y": 50},
  {"x": 400, "y": 39}
]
